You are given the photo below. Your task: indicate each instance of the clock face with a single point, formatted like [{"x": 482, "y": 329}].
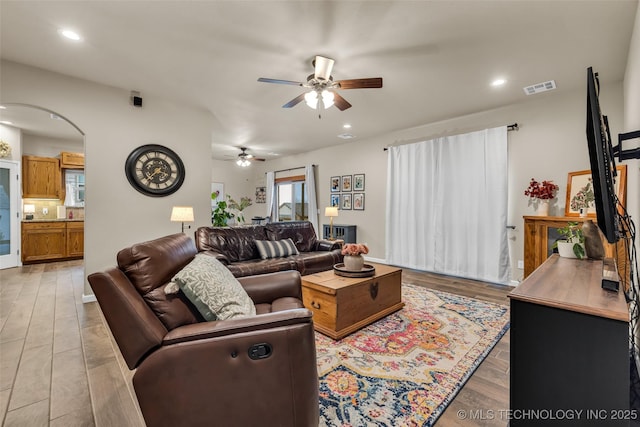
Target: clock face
[{"x": 154, "y": 170}]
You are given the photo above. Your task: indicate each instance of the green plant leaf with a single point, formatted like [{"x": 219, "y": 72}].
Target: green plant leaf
[{"x": 578, "y": 250}]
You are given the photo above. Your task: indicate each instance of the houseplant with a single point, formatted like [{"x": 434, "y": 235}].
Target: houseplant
[
  {"x": 540, "y": 193},
  {"x": 353, "y": 260},
  {"x": 244, "y": 203},
  {"x": 220, "y": 215},
  {"x": 583, "y": 199},
  {"x": 572, "y": 246}
]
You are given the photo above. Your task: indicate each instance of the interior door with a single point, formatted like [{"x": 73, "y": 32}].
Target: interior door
[{"x": 9, "y": 202}]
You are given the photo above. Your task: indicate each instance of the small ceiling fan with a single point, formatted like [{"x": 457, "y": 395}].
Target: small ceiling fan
[
  {"x": 322, "y": 94},
  {"x": 245, "y": 159}
]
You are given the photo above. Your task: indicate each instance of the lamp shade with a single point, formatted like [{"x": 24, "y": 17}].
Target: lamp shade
[
  {"x": 182, "y": 214},
  {"x": 331, "y": 211}
]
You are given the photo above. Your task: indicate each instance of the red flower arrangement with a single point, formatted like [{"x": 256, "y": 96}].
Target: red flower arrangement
[
  {"x": 541, "y": 190},
  {"x": 355, "y": 249}
]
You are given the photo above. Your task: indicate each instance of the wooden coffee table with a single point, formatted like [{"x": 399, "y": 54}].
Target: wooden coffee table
[{"x": 342, "y": 305}]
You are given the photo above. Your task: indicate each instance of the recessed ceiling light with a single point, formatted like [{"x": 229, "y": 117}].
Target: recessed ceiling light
[
  {"x": 346, "y": 136},
  {"x": 498, "y": 82},
  {"x": 346, "y": 126},
  {"x": 2, "y": 107},
  {"x": 6, "y": 122},
  {"x": 70, "y": 34}
]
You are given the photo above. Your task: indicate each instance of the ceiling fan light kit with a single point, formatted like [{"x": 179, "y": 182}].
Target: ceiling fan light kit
[
  {"x": 245, "y": 159},
  {"x": 322, "y": 94}
]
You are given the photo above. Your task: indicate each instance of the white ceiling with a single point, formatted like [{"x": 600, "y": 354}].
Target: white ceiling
[{"x": 437, "y": 58}]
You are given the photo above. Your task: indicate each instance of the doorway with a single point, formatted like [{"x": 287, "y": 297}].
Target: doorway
[{"x": 9, "y": 223}]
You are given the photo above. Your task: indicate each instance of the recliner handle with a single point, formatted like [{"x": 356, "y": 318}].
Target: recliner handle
[{"x": 260, "y": 351}]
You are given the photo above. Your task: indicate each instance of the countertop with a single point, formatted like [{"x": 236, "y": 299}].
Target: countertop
[{"x": 53, "y": 220}]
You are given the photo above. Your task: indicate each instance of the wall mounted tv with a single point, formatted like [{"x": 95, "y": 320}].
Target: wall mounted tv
[{"x": 603, "y": 168}]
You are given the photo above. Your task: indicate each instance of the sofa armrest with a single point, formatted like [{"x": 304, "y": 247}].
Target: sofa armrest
[
  {"x": 265, "y": 288},
  {"x": 221, "y": 328},
  {"x": 217, "y": 255},
  {"x": 327, "y": 245}
]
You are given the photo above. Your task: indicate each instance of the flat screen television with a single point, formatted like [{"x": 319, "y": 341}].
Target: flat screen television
[{"x": 603, "y": 168}]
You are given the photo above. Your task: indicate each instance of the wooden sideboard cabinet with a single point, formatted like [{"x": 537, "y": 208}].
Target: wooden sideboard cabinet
[
  {"x": 569, "y": 348},
  {"x": 540, "y": 233},
  {"x": 41, "y": 177},
  {"x": 52, "y": 240}
]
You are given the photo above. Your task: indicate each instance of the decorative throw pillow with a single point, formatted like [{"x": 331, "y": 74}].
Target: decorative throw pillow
[
  {"x": 214, "y": 291},
  {"x": 276, "y": 248}
]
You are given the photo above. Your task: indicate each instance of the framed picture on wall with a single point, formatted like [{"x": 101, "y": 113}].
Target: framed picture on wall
[
  {"x": 346, "y": 182},
  {"x": 217, "y": 188},
  {"x": 335, "y": 184},
  {"x": 579, "y": 184},
  {"x": 358, "y": 201},
  {"x": 358, "y": 182},
  {"x": 261, "y": 194},
  {"x": 335, "y": 201},
  {"x": 346, "y": 202}
]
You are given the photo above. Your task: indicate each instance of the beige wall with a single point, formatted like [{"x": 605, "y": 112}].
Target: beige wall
[
  {"x": 632, "y": 120},
  {"x": 37, "y": 145},
  {"x": 116, "y": 214},
  {"x": 551, "y": 143}
]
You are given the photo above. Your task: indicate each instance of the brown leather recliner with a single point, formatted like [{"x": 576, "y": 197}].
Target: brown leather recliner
[{"x": 252, "y": 371}]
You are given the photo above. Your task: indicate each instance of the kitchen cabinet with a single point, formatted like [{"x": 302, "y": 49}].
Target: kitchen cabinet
[
  {"x": 52, "y": 240},
  {"x": 75, "y": 239},
  {"x": 40, "y": 177},
  {"x": 71, "y": 160}
]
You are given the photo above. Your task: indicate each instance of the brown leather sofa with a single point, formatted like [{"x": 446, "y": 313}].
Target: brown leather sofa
[
  {"x": 251, "y": 371},
  {"x": 235, "y": 247}
]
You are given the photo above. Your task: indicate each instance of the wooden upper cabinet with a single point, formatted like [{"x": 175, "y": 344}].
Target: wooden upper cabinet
[
  {"x": 71, "y": 160},
  {"x": 41, "y": 177}
]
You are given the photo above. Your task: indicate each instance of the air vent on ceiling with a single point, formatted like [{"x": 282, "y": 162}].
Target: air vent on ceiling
[
  {"x": 346, "y": 136},
  {"x": 540, "y": 87}
]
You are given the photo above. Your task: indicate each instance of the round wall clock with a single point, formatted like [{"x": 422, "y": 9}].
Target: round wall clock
[{"x": 154, "y": 170}]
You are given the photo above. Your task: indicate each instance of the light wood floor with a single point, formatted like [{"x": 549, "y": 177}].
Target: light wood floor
[{"x": 59, "y": 365}]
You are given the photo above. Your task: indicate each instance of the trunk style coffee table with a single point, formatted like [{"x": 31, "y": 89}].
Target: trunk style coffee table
[{"x": 342, "y": 305}]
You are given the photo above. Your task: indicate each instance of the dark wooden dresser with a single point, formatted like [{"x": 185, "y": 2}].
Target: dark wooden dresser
[{"x": 569, "y": 348}]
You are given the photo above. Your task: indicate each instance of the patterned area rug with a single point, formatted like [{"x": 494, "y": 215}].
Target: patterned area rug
[{"x": 405, "y": 369}]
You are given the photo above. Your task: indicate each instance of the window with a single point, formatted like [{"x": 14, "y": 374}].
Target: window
[
  {"x": 74, "y": 187},
  {"x": 291, "y": 193}
]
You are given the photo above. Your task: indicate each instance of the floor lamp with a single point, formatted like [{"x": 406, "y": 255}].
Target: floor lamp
[
  {"x": 331, "y": 211},
  {"x": 182, "y": 214}
]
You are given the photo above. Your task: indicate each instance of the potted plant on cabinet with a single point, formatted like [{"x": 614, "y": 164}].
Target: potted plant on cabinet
[
  {"x": 572, "y": 244},
  {"x": 540, "y": 193}
]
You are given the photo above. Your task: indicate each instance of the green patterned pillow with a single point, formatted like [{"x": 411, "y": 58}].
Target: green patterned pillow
[
  {"x": 276, "y": 248},
  {"x": 214, "y": 291}
]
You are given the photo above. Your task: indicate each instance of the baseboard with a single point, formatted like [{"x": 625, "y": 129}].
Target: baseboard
[{"x": 88, "y": 298}]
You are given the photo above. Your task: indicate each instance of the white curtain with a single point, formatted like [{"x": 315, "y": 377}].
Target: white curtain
[
  {"x": 447, "y": 206},
  {"x": 310, "y": 182},
  {"x": 271, "y": 196}
]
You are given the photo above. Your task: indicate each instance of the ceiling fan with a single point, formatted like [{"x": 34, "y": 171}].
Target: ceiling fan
[
  {"x": 322, "y": 94},
  {"x": 245, "y": 159}
]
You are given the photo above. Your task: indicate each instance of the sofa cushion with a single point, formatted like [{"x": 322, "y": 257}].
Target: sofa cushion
[
  {"x": 150, "y": 266},
  {"x": 214, "y": 291},
  {"x": 276, "y": 248},
  {"x": 301, "y": 232},
  {"x": 236, "y": 243}
]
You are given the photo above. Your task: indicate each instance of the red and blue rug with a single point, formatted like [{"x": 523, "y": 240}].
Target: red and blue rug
[{"x": 405, "y": 369}]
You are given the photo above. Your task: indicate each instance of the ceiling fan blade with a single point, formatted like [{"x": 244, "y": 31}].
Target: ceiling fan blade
[
  {"x": 282, "y": 82},
  {"x": 257, "y": 159},
  {"x": 295, "y": 101},
  {"x": 372, "y": 83},
  {"x": 340, "y": 103},
  {"x": 323, "y": 67}
]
